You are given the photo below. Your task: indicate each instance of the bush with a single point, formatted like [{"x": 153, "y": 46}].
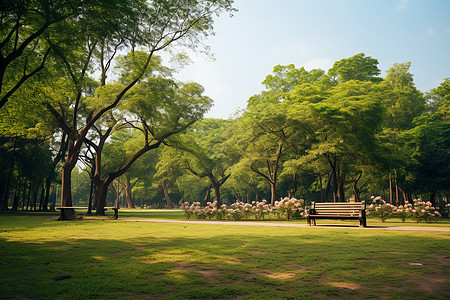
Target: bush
[
  {"x": 418, "y": 210},
  {"x": 380, "y": 208},
  {"x": 260, "y": 209},
  {"x": 289, "y": 208},
  {"x": 424, "y": 211}
]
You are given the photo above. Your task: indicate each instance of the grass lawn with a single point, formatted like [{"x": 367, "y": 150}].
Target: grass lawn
[{"x": 107, "y": 259}]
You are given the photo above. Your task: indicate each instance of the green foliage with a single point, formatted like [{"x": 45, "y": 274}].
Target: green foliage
[{"x": 358, "y": 67}]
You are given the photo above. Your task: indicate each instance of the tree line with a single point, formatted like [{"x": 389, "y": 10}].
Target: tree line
[
  {"x": 340, "y": 135},
  {"x": 49, "y": 53},
  {"x": 87, "y": 105}
]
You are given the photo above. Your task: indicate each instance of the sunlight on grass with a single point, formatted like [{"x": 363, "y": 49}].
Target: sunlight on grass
[{"x": 129, "y": 260}]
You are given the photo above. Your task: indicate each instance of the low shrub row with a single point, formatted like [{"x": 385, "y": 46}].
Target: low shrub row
[
  {"x": 292, "y": 208},
  {"x": 418, "y": 210},
  {"x": 287, "y": 208}
]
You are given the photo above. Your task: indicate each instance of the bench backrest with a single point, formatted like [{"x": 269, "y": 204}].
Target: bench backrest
[{"x": 345, "y": 208}]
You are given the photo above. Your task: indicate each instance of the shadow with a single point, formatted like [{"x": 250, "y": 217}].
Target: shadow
[{"x": 187, "y": 261}]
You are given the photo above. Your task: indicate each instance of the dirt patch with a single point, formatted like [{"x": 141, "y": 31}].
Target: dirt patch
[
  {"x": 346, "y": 285},
  {"x": 442, "y": 259},
  {"x": 396, "y": 253},
  {"x": 434, "y": 284},
  {"x": 151, "y": 262},
  {"x": 232, "y": 260},
  {"x": 297, "y": 266},
  {"x": 276, "y": 275},
  {"x": 210, "y": 275},
  {"x": 182, "y": 264},
  {"x": 141, "y": 248}
]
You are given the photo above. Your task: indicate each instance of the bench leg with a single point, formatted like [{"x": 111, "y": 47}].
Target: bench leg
[
  {"x": 362, "y": 222},
  {"x": 116, "y": 213}
]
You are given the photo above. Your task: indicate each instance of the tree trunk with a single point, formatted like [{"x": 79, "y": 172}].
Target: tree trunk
[
  {"x": 15, "y": 205},
  {"x": 41, "y": 201},
  {"x": 35, "y": 196},
  {"x": 433, "y": 198},
  {"x": 91, "y": 191},
  {"x": 249, "y": 194},
  {"x": 405, "y": 196},
  {"x": 327, "y": 187},
  {"x": 66, "y": 191},
  {"x": 397, "y": 196},
  {"x": 100, "y": 197},
  {"x": 391, "y": 193},
  {"x": 294, "y": 185},
  {"x": 5, "y": 197},
  {"x": 272, "y": 192},
  {"x": 205, "y": 200},
  {"x": 355, "y": 189},
  {"x": 236, "y": 195},
  {"x": 2, "y": 195},
  {"x": 166, "y": 194},
  {"x": 48, "y": 183},
  {"x": 129, "y": 196},
  {"x": 216, "y": 187},
  {"x": 29, "y": 195},
  {"x": 356, "y": 192}
]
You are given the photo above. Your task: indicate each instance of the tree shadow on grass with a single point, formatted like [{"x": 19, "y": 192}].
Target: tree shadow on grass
[{"x": 226, "y": 266}]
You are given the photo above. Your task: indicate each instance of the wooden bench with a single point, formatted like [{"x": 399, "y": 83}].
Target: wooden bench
[
  {"x": 343, "y": 211},
  {"x": 64, "y": 210}
]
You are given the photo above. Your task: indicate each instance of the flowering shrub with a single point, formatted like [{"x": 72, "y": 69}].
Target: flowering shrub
[
  {"x": 424, "y": 211},
  {"x": 403, "y": 211},
  {"x": 210, "y": 210},
  {"x": 380, "y": 208},
  {"x": 288, "y": 208},
  {"x": 419, "y": 210},
  {"x": 221, "y": 211},
  {"x": 236, "y": 211},
  {"x": 260, "y": 209},
  {"x": 186, "y": 209},
  {"x": 247, "y": 210}
]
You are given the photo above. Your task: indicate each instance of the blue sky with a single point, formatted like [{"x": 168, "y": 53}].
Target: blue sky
[{"x": 315, "y": 34}]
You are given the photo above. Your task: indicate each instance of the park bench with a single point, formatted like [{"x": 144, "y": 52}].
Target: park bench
[
  {"x": 343, "y": 211},
  {"x": 64, "y": 209}
]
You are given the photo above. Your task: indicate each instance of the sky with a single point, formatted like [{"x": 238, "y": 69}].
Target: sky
[{"x": 315, "y": 34}]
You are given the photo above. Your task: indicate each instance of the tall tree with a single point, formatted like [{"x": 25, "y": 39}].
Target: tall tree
[
  {"x": 157, "y": 27},
  {"x": 200, "y": 152},
  {"x": 162, "y": 108}
]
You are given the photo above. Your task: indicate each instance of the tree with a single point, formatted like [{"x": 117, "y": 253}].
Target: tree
[
  {"x": 403, "y": 102},
  {"x": 163, "y": 109},
  {"x": 343, "y": 127},
  {"x": 439, "y": 99},
  {"x": 157, "y": 27},
  {"x": 31, "y": 29},
  {"x": 200, "y": 152},
  {"x": 430, "y": 140},
  {"x": 358, "y": 67}
]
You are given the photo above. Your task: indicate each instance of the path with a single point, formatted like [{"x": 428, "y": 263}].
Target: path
[{"x": 270, "y": 224}]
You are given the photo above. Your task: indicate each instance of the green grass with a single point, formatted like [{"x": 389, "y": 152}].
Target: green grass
[{"x": 108, "y": 259}]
